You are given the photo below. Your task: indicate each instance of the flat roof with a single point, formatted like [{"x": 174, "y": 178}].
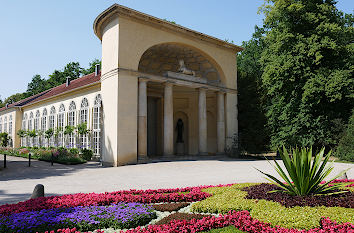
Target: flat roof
[{"x": 117, "y": 9}]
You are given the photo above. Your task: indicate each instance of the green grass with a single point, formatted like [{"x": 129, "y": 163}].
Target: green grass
[
  {"x": 225, "y": 199},
  {"x": 229, "y": 229}
]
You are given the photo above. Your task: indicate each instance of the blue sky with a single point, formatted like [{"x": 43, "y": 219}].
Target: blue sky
[{"x": 39, "y": 36}]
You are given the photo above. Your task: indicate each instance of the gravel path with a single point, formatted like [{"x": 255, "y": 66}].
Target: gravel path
[{"x": 18, "y": 180}]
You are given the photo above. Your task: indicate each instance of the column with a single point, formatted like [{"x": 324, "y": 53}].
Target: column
[
  {"x": 168, "y": 120},
  {"x": 203, "y": 148},
  {"x": 220, "y": 121},
  {"x": 142, "y": 120}
]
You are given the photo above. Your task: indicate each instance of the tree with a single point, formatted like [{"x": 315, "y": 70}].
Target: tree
[
  {"x": 92, "y": 67},
  {"x": 37, "y": 85},
  {"x": 72, "y": 70},
  {"x": 345, "y": 149},
  {"x": 307, "y": 71},
  {"x": 253, "y": 133}
]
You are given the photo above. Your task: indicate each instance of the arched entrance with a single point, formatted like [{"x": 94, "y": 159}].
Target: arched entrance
[{"x": 165, "y": 100}]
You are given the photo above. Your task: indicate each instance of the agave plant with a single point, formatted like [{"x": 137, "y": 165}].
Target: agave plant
[{"x": 305, "y": 173}]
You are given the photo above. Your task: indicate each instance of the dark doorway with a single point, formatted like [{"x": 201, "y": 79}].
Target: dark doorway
[{"x": 152, "y": 126}]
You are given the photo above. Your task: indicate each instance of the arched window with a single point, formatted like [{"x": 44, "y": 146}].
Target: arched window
[
  {"x": 52, "y": 123},
  {"x": 36, "y": 128},
  {"x": 10, "y": 131},
  {"x": 71, "y": 122},
  {"x": 24, "y": 121},
  {"x": 5, "y": 124},
  {"x": 0, "y": 124},
  {"x": 30, "y": 128},
  {"x": 30, "y": 122},
  {"x": 44, "y": 126},
  {"x": 52, "y": 118},
  {"x": 96, "y": 126},
  {"x": 83, "y": 120},
  {"x": 61, "y": 117}
]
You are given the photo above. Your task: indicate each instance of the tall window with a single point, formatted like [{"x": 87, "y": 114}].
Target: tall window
[
  {"x": 97, "y": 108},
  {"x": 0, "y": 124},
  {"x": 5, "y": 124},
  {"x": 36, "y": 128},
  {"x": 61, "y": 117},
  {"x": 30, "y": 128},
  {"x": 52, "y": 123},
  {"x": 10, "y": 130},
  {"x": 44, "y": 126},
  {"x": 24, "y": 121},
  {"x": 83, "y": 120},
  {"x": 71, "y": 122}
]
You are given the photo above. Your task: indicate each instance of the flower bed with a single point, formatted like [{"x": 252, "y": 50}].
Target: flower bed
[
  {"x": 83, "y": 212},
  {"x": 61, "y": 155},
  {"x": 102, "y": 199},
  {"x": 264, "y": 191},
  {"x": 170, "y": 206},
  {"x": 225, "y": 199},
  {"x": 124, "y": 215}
]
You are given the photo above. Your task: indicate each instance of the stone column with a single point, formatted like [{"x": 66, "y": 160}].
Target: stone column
[
  {"x": 203, "y": 147},
  {"x": 142, "y": 120},
  {"x": 168, "y": 120},
  {"x": 220, "y": 121}
]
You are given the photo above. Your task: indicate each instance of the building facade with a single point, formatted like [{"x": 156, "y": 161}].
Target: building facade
[{"x": 163, "y": 90}]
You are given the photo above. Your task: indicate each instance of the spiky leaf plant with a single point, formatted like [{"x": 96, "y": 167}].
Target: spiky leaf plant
[{"x": 305, "y": 173}]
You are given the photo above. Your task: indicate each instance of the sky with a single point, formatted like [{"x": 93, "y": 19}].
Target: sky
[{"x": 39, "y": 36}]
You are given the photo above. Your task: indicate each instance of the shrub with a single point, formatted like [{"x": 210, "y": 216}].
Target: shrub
[
  {"x": 304, "y": 174},
  {"x": 4, "y": 139},
  {"x": 74, "y": 151},
  {"x": 345, "y": 149},
  {"x": 86, "y": 154}
]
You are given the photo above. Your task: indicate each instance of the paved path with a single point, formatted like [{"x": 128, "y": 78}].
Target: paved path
[{"x": 18, "y": 180}]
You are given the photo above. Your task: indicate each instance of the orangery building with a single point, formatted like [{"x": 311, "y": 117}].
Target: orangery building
[{"x": 162, "y": 90}]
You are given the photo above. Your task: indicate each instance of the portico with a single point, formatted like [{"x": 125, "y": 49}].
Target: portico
[{"x": 170, "y": 90}]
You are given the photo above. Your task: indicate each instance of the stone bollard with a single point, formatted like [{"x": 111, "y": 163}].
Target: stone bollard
[
  {"x": 343, "y": 177},
  {"x": 38, "y": 191}
]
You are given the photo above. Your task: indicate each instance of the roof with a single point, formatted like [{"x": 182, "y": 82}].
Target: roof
[
  {"x": 61, "y": 89},
  {"x": 117, "y": 9}
]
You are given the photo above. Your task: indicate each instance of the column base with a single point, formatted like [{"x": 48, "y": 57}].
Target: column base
[{"x": 203, "y": 153}]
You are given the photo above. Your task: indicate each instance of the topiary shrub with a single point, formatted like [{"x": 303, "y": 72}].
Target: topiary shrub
[{"x": 345, "y": 149}]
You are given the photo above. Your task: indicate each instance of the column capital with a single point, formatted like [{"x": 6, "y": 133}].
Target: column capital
[{"x": 143, "y": 79}]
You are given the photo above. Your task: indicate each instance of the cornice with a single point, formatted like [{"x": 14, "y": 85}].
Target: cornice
[{"x": 120, "y": 10}]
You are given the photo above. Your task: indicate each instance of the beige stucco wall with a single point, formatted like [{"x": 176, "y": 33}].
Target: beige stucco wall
[{"x": 109, "y": 88}]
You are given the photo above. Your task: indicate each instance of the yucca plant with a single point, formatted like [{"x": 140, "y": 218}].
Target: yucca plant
[{"x": 305, "y": 173}]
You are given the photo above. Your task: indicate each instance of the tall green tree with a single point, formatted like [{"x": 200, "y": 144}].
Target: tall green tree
[
  {"x": 253, "y": 133},
  {"x": 72, "y": 70},
  {"x": 37, "y": 85},
  {"x": 307, "y": 71},
  {"x": 92, "y": 67}
]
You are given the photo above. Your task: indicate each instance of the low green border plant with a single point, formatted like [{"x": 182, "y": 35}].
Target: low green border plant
[{"x": 225, "y": 199}]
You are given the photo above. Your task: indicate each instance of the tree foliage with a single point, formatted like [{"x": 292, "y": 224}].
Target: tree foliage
[
  {"x": 345, "y": 148},
  {"x": 58, "y": 77},
  {"x": 307, "y": 71},
  {"x": 253, "y": 133}
]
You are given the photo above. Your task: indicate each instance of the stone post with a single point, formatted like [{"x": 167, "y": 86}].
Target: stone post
[
  {"x": 203, "y": 147},
  {"x": 220, "y": 121},
  {"x": 142, "y": 120},
  {"x": 168, "y": 119}
]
